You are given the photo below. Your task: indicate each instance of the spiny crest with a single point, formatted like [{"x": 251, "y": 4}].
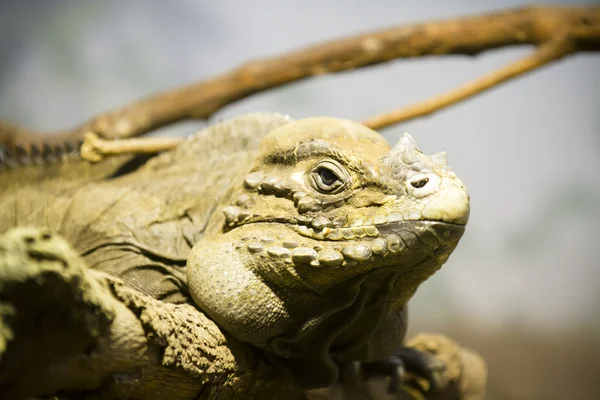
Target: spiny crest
[{"x": 39, "y": 154}]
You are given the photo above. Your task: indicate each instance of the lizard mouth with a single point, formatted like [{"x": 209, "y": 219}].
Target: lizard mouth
[
  {"x": 407, "y": 228},
  {"x": 381, "y": 239},
  {"x": 410, "y": 239},
  {"x": 333, "y": 247}
]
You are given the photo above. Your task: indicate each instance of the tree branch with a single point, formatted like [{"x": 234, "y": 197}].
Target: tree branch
[
  {"x": 468, "y": 35},
  {"x": 95, "y": 149}
]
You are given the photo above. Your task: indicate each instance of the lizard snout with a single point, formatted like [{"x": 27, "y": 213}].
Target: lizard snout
[{"x": 449, "y": 204}]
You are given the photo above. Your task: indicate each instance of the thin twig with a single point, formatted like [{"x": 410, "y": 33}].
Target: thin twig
[
  {"x": 467, "y": 35},
  {"x": 545, "y": 54},
  {"x": 96, "y": 149}
]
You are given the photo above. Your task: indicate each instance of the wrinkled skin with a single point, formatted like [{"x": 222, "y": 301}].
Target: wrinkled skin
[{"x": 305, "y": 239}]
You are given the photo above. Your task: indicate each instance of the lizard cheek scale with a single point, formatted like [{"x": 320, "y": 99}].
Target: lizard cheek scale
[{"x": 321, "y": 244}]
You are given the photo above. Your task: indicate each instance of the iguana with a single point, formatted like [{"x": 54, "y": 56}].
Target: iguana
[{"x": 305, "y": 239}]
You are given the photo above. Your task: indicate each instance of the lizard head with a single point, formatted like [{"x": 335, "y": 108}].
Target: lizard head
[
  {"x": 347, "y": 203},
  {"x": 326, "y": 203}
]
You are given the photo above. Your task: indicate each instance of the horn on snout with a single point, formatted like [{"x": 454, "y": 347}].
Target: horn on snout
[{"x": 404, "y": 153}]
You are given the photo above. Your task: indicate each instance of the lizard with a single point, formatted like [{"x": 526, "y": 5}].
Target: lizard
[{"x": 305, "y": 239}]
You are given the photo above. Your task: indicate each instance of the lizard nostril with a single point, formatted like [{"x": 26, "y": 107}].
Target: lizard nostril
[{"x": 420, "y": 183}]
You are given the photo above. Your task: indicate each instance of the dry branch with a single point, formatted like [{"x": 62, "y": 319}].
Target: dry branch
[
  {"x": 95, "y": 149},
  {"x": 468, "y": 35}
]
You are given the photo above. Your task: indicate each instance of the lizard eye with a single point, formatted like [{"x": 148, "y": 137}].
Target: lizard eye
[{"x": 328, "y": 177}]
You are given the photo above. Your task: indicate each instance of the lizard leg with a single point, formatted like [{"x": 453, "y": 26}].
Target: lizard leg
[{"x": 404, "y": 367}]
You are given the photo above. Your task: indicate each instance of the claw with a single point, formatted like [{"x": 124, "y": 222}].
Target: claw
[{"x": 396, "y": 379}]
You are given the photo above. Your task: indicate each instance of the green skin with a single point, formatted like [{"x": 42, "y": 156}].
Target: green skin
[{"x": 325, "y": 232}]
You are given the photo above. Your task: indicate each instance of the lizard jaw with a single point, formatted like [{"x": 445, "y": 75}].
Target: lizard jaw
[{"x": 387, "y": 244}]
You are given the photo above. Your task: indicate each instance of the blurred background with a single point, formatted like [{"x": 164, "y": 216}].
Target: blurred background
[{"x": 523, "y": 287}]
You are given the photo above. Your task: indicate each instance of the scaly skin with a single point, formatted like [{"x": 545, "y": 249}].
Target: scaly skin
[
  {"x": 137, "y": 223},
  {"x": 325, "y": 232},
  {"x": 323, "y": 242}
]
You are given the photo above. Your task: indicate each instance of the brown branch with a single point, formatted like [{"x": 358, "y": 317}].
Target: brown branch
[
  {"x": 95, "y": 149},
  {"x": 467, "y": 35}
]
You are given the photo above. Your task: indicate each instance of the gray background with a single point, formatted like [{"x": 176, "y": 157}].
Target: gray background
[{"x": 527, "y": 270}]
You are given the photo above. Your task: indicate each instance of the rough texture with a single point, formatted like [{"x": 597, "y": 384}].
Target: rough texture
[
  {"x": 63, "y": 329},
  {"x": 303, "y": 239},
  {"x": 88, "y": 343}
]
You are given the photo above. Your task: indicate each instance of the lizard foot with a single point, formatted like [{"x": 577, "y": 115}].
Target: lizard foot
[{"x": 408, "y": 366}]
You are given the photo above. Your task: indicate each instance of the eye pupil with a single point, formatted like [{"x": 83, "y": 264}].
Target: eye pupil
[{"x": 327, "y": 177}]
